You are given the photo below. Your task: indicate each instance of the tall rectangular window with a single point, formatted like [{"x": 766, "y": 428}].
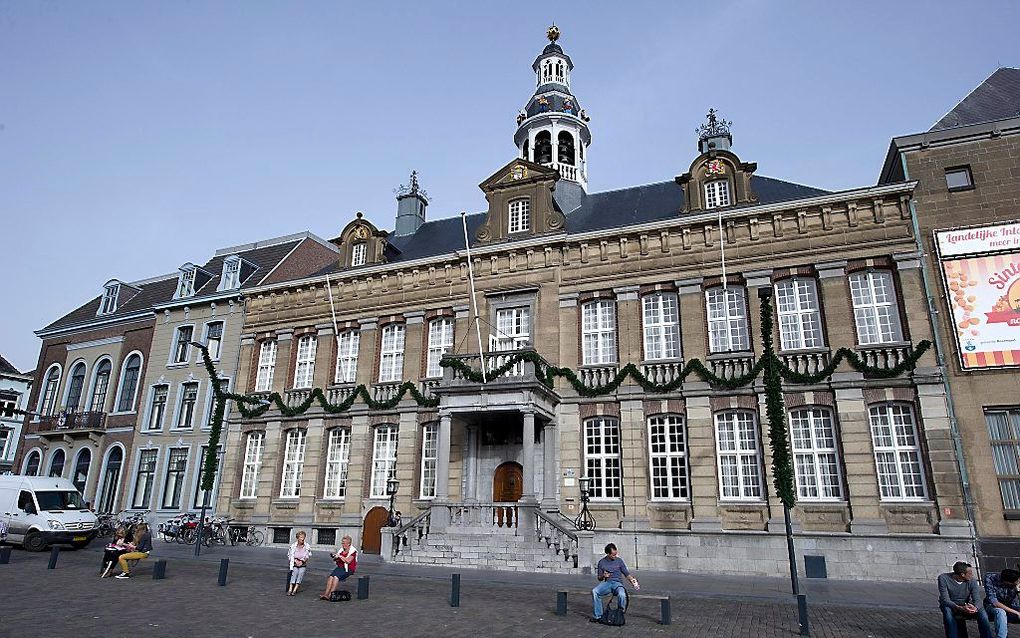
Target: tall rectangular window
[
  {"x": 267, "y": 366},
  {"x": 144, "y": 479},
  {"x": 158, "y": 406},
  {"x": 109, "y": 303},
  {"x": 667, "y": 454},
  {"x": 440, "y": 342},
  {"x": 727, "y": 319},
  {"x": 338, "y": 451},
  {"x": 897, "y": 452},
  {"x": 598, "y": 332},
  {"x": 6, "y": 435},
  {"x": 800, "y": 323},
  {"x": 359, "y": 253},
  {"x": 739, "y": 456},
  {"x": 293, "y": 462},
  {"x": 717, "y": 193},
  {"x": 214, "y": 339},
  {"x": 186, "y": 283},
  {"x": 602, "y": 458},
  {"x": 305, "y": 369},
  {"x": 815, "y": 457},
  {"x": 231, "y": 276},
  {"x": 384, "y": 459},
  {"x": 189, "y": 398},
  {"x": 661, "y": 326},
  {"x": 182, "y": 344},
  {"x": 429, "y": 458},
  {"x": 391, "y": 356},
  {"x": 513, "y": 328},
  {"x": 176, "y": 467},
  {"x": 520, "y": 215},
  {"x": 347, "y": 345},
  {"x": 200, "y": 494},
  {"x": 875, "y": 311},
  {"x": 1004, "y": 432},
  {"x": 252, "y": 464}
]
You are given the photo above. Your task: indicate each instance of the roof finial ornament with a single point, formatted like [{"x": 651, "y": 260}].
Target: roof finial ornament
[
  {"x": 553, "y": 33},
  {"x": 411, "y": 188},
  {"x": 715, "y": 127}
]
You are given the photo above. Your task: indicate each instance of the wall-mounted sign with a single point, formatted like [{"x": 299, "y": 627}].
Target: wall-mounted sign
[{"x": 981, "y": 273}]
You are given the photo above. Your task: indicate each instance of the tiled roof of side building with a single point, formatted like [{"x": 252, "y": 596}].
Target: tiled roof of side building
[
  {"x": 997, "y": 98},
  {"x": 265, "y": 258},
  {"x": 7, "y": 368},
  {"x": 151, "y": 292}
]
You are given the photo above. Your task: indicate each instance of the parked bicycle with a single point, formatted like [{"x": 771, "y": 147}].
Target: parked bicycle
[
  {"x": 246, "y": 534},
  {"x": 106, "y": 524}
]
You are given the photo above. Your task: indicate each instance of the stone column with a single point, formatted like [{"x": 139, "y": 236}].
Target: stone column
[
  {"x": 284, "y": 346},
  {"x": 758, "y": 279},
  {"x": 701, "y": 455},
  {"x": 325, "y": 362},
  {"x": 529, "y": 455},
  {"x": 628, "y": 321},
  {"x": 549, "y": 437},
  {"x": 440, "y": 518},
  {"x": 368, "y": 351},
  {"x": 859, "y": 461},
  {"x": 835, "y": 300},
  {"x": 414, "y": 341},
  {"x": 691, "y": 311},
  {"x": 569, "y": 355}
]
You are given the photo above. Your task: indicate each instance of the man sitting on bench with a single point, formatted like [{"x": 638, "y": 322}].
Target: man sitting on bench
[{"x": 611, "y": 571}]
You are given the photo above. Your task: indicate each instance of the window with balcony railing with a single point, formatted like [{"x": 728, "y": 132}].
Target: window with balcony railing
[
  {"x": 661, "y": 326},
  {"x": 876, "y": 311},
  {"x": 800, "y": 322}
]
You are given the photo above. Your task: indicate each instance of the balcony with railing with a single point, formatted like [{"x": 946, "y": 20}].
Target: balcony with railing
[
  {"x": 730, "y": 365},
  {"x": 806, "y": 362},
  {"x": 662, "y": 372},
  {"x": 68, "y": 423},
  {"x": 522, "y": 371}
]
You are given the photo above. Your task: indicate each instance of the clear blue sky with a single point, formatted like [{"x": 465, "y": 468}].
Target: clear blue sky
[{"x": 136, "y": 136}]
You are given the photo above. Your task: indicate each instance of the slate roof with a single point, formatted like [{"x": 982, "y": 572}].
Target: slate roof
[
  {"x": 997, "y": 98},
  {"x": 598, "y": 211},
  {"x": 7, "y": 368},
  {"x": 265, "y": 259}
]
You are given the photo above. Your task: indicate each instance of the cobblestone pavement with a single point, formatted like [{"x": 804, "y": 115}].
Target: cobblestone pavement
[{"x": 72, "y": 601}]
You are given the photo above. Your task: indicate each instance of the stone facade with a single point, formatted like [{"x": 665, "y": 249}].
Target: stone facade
[{"x": 15, "y": 387}]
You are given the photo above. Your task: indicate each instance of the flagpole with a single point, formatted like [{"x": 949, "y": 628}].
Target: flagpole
[{"x": 474, "y": 302}]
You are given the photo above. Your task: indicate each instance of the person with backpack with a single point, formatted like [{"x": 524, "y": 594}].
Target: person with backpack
[
  {"x": 346, "y": 564},
  {"x": 611, "y": 570}
]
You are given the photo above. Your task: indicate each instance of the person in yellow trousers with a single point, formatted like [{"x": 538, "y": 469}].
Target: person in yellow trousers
[{"x": 143, "y": 545}]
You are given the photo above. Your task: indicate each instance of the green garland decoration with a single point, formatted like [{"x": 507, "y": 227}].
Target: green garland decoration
[{"x": 775, "y": 412}]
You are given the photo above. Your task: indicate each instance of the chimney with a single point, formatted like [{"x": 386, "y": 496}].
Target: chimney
[{"x": 411, "y": 203}]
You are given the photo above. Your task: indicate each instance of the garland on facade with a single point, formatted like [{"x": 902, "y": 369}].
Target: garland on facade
[{"x": 775, "y": 412}]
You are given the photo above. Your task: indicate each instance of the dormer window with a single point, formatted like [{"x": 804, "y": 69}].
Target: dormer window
[
  {"x": 110, "y": 293},
  {"x": 717, "y": 193},
  {"x": 359, "y": 253},
  {"x": 520, "y": 216},
  {"x": 231, "y": 276},
  {"x": 186, "y": 283}
]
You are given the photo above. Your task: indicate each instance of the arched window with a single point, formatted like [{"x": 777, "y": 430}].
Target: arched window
[
  {"x": 524, "y": 154},
  {"x": 57, "y": 463},
  {"x": 100, "y": 385},
  {"x": 543, "y": 147},
  {"x": 81, "y": 469},
  {"x": 33, "y": 462},
  {"x": 107, "y": 501},
  {"x": 129, "y": 383},
  {"x": 75, "y": 387},
  {"x": 566, "y": 148},
  {"x": 48, "y": 399}
]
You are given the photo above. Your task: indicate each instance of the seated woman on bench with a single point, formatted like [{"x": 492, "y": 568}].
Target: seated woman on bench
[
  {"x": 143, "y": 545},
  {"x": 346, "y": 564}
]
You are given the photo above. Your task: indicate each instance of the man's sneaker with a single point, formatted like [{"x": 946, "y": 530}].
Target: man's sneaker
[
  {"x": 123, "y": 575},
  {"x": 594, "y": 619}
]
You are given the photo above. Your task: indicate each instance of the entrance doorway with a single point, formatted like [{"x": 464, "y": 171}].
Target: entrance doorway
[
  {"x": 371, "y": 534},
  {"x": 508, "y": 483}
]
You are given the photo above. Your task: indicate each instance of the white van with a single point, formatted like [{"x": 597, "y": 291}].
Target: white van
[{"x": 42, "y": 511}]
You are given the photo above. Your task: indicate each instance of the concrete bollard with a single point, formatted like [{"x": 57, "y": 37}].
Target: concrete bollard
[
  {"x": 363, "y": 588},
  {"x": 159, "y": 570},
  {"x": 54, "y": 555},
  {"x": 224, "y": 564},
  {"x": 287, "y": 585},
  {"x": 666, "y": 613},
  {"x": 561, "y": 603},
  {"x": 5, "y": 555},
  {"x": 455, "y": 591}
]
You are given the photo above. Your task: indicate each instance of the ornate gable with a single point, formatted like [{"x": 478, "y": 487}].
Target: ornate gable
[
  {"x": 521, "y": 204},
  {"x": 715, "y": 166},
  {"x": 362, "y": 244}
]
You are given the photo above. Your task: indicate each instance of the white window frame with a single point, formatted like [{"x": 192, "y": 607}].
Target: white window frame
[
  {"x": 52, "y": 461},
  {"x": 901, "y": 441},
  {"x": 391, "y": 353},
  {"x": 348, "y": 343},
  {"x": 50, "y": 387},
  {"x": 717, "y": 193},
  {"x": 726, "y": 309},
  {"x": 198, "y": 496},
  {"x": 512, "y": 330},
  {"x": 359, "y": 254},
  {"x": 210, "y": 400},
  {"x": 120, "y": 398},
  {"x": 253, "y": 448},
  {"x": 429, "y": 460},
  {"x": 266, "y": 366},
  {"x": 108, "y": 305},
  {"x": 6, "y": 436},
  {"x": 602, "y": 458},
  {"x": 304, "y": 368},
  {"x": 661, "y": 325},
  {"x": 338, "y": 455},
  {"x": 150, "y": 412},
  {"x": 82, "y": 391},
  {"x": 1004, "y": 434},
  {"x": 519, "y": 215},
  {"x": 230, "y": 277},
  {"x": 440, "y": 342},
  {"x": 598, "y": 332},
  {"x": 215, "y": 356},
  {"x": 94, "y": 385},
  {"x": 33, "y": 454},
  {"x": 876, "y": 309},
  {"x": 180, "y": 348},
  {"x": 668, "y": 459},
  {"x": 814, "y": 442},
  {"x": 799, "y": 309},
  {"x": 384, "y": 458},
  {"x": 73, "y": 477},
  {"x": 184, "y": 418},
  {"x": 186, "y": 283},
  {"x": 150, "y": 478},
  {"x": 743, "y": 448},
  {"x": 174, "y": 490},
  {"x": 293, "y": 463}
]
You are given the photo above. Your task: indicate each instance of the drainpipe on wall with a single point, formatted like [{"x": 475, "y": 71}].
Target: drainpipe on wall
[{"x": 954, "y": 430}]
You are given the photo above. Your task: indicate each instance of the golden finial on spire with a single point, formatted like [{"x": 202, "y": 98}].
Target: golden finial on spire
[{"x": 553, "y": 33}]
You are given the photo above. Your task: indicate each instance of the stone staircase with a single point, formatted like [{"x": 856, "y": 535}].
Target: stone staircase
[{"x": 489, "y": 536}]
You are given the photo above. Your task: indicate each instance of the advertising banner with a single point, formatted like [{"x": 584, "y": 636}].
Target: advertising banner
[{"x": 982, "y": 284}]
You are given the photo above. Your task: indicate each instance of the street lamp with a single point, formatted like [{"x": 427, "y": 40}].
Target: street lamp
[
  {"x": 392, "y": 485},
  {"x": 584, "y": 521}
]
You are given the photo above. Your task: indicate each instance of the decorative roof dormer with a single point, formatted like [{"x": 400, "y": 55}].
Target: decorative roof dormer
[
  {"x": 235, "y": 271},
  {"x": 521, "y": 203},
  {"x": 190, "y": 280},
  {"x": 115, "y": 294},
  {"x": 362, "y": 244},
  {"x": 717, "y": 178}
]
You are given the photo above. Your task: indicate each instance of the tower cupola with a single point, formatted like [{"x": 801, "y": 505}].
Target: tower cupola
[
  {"x": 411, "y": 202},
  {"x": 552, "y": 128}
]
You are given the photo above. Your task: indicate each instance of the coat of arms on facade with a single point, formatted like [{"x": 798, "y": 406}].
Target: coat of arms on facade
[{"x": 715, "y": 167}]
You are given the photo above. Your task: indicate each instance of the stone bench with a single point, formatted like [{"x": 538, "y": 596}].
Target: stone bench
[{"x": 665, "y": 612}]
